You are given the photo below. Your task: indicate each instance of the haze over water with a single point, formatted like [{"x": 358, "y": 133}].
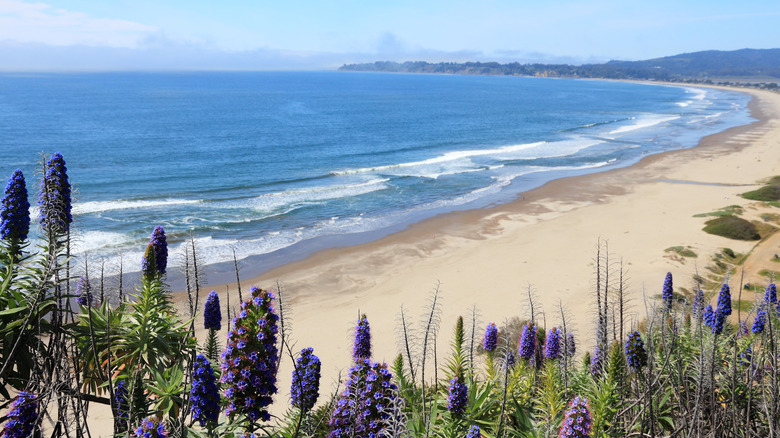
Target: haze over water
[{"x": 259, "y": 162}]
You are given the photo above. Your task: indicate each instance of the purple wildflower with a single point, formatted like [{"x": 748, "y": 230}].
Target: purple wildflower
[
  {"x": 160, "y": 245},
  {"x": 473, "y": 432},
  {"x": 363, "y": 407},
  {"x": 212, "y": 313},
  {"x": 15, "y": 211},
  {"x": 148, "y": 263},
  {"x": 527, "y": 342},
  {"x": 54, "y": 199},
  {"x": 708, "y": 315},
  {"x": 151, "y": 428},
  {"x": 458, "y": 396},
  {"x": 84, "y": 292},
  {"x": 22, "y": 417},
  {"x": 667, "y": 293},
  {"x": 362, "y": 347},
  {"x": 760, "y": 320},
  {"x": 717, "y": 320},
  {"x": 552, "y": 345},
  {"x": 204, "y": 394},
  {"x": 724, "y": 300},
  {"x": 636, "y": 355},
  {"x": 770, "y": 295},
  {"x": 577, "y": 422},
  {"x": 305, "y": 387},
  {"x": 253, "y": 379},
  {"x": 490, "y": 342}
]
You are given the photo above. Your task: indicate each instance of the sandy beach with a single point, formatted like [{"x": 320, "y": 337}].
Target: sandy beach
[{"x": 546, "y": 241}]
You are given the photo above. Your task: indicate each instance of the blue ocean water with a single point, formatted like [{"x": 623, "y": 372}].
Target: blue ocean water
[{"x": 259, "y": 162}]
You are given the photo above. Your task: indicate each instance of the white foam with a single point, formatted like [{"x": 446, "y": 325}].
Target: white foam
[
  {"x": 295, "y": 198},
  {"x": 643, "y": 122},
  {"x": 101, "y": 206},
  {"x": 445, "y": 158},
  {"x": 89, "y": 241}
]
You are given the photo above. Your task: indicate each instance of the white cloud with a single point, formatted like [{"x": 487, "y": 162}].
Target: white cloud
[{"x": 41, "y": 23}]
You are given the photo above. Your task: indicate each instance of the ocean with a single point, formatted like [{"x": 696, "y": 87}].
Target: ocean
[{"x": 276, "y": 165}]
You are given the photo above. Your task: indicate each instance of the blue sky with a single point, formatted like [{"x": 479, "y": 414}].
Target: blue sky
[{"x": 304, "y": 34}]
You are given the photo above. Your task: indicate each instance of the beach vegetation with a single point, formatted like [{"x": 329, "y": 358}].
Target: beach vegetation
[
  {"x": 682, "y": 251},
  {"x": 725, "y": 211},
  {"x": 682, "y": 368},
  {"x": 766, "y": 193},
  {"x": 732, "y": 227}
]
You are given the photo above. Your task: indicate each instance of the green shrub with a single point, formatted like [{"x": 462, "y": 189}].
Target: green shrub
[
  {"x": 732, "y": 227},
  {"x": 767, "y": 193},
  {"x": 683, "y": 251},
  {"x": 729, "y": 252}
]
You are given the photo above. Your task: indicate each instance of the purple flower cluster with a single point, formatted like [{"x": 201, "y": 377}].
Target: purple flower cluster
[
  {"x": 597, "y": 361},
  {"x": 667, "y": 293},
  {"x": 204, "y": 393},
  {"x": 527, "y": 343},
  {"x": 714, "y": 319},
  {"x": 363, "y": 407},
  {"x": 160, "y": 245},
  {"x": 15, "y": 210},
  {"x": 458, "y": 396},
  {"x": 490, "y": 342},
  {"x": 473, "y": 432},
  {"x": 305, "y": 388},
  {"x": 151, "y": 428},
  {"x": 770, "y": 295},
  {"x": 120, "y": 400},
  {"x": 724, "y": 300},
  {"x": 212, "y": 313},
  {"x": 251, "y": 359},
  {"x": 84, "y": 292},
  {"x": 54, "y": 200},
  {"x": 362, "y": 346},
  {"x": 760, "y": 320},
  {"x": 636, "y": 355},
  {"x": 577, "y": 422},
  {"x": 552, "y": 345},
  {"x": 22, "y": 417},
  {"x": 148, "y": 264}
]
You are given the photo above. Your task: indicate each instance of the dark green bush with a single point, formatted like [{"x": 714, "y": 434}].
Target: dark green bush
[
  {"x": 729, "y": 252},
  {"x": 767, "y": 193},
  {"x": 732, "y": 227}
]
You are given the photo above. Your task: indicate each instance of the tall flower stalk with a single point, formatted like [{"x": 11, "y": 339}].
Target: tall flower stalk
[
  {"x": 250, "y": 360},
  {"x": 212, "y": 321},
  {"x": 667, "y": 292},
  {"x": 54, "y": 200},
  {"x": 362, "y": 345},
  {"x": 305, "y": 388},
  {"x": 204, "y": 394},
  {"x": 15, "y": 213}
]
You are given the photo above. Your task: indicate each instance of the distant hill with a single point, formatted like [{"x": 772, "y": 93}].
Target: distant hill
[{"x": 737, "y": 65}]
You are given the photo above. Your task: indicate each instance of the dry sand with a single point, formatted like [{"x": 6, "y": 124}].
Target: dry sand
[{"x": 546, "y": 241}]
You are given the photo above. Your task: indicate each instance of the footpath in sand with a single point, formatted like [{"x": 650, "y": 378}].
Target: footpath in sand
[{"x": 546, "y": 241}]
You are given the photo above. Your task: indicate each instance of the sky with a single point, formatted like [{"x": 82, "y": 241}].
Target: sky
[{"x": 324, "y": 34}]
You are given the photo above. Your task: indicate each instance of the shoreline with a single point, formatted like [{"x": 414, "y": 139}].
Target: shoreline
[{"x": 543, "y": 242}]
